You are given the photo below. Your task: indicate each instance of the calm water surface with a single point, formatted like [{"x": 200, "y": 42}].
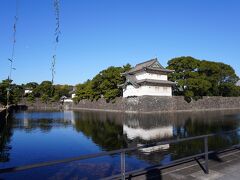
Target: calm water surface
[{"x": 32, "y": 137}]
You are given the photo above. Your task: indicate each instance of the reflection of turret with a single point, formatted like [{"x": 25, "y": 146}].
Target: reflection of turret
[
  {"x": 148, "y": 134},
  {"x": 69, "y": 116},
  {"x": 25, "y": 120},
  {"x": 154, "y": 148},
  {"x": 145, "y": 135},
  {"x": 141, "y": 129}
]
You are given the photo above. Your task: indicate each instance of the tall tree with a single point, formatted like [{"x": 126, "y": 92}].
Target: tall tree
[
  {"x": 15, "y": 92},
  {"x": 105, "y": 84},
  {"x": 196, "y": 78}
]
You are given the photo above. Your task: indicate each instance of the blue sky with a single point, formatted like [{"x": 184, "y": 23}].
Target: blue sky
[{"x": 96, "y": 34}]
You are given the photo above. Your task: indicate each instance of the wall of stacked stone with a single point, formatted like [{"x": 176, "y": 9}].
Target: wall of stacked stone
[
  {"x": 39, "y": 105},
  {"x": 159, "y": 104},
  {"x": 143, "y": 104}
]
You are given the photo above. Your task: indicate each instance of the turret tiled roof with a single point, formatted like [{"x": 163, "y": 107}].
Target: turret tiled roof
[{"x": 152, "y": 65}]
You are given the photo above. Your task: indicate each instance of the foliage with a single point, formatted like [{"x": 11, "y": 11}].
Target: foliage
[
  {"x": 31, "y": 98},
  {"x": 105, "y": 84},
  {"x": 48, "y": 92},
  {"x": 107, "y": 134},
  {"x": 85, "y": 91},
  {"x": 59, "y": 91},
  {"x": 45, "y": 91},
  {"x": 15, "y": 92},
  {"x": 4, "y": 85},
  {"x": 45, "y": 98},
  {"x": 229, "y": 89},
  {"x": 196, "y": 78},
  {"x": 31, "y": 85},
  {"x": 45, "y": 88}
]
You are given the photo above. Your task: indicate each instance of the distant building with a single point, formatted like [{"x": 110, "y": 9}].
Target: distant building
[
  {"x": 73, "y": 92},
  {"x": 238, "y": 83},
  {"x": 73, "y": 95},
  {"x": 147, "y": 78},
  {"x": 64, "y": 99},
  {"x": 27, "y": 91}
]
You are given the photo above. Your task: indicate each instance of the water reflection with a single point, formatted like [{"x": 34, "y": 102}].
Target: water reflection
[
  {"x": 5, "y": 138},
  {"x": 104, "y": 129},
  {"x": 147, "y": 128},
  {"x": 44, "y": 121},
  {"x": 83, "y": 132}
]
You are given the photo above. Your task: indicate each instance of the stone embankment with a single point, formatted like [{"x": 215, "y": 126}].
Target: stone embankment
[
  {"x": 145, "y": 104},
  {"x": 148, "y": 104}
]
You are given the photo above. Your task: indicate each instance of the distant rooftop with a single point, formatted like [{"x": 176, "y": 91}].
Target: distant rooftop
[{"x": 152, "y": 65}]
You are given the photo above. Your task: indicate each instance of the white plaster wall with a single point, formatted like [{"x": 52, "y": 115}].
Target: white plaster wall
[
  {"x": 148, "y": 134},
  {"x": 145, "y": 75},
  {"x": 27, "y": 91},
  {"x": 147, "y": 90},
  {"x": 73, "y": 95}
]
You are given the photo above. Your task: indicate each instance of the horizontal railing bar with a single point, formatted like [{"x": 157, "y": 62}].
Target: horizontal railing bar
[
  {"x": 172, "y": 163},
  {"x": 50, "y": 163},
  {"x": 89, "y": 156},
  {"x": 144, "y": 170}
]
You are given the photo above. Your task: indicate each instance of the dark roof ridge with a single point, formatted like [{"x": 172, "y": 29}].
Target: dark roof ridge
[{"x": 154, "y": 59}]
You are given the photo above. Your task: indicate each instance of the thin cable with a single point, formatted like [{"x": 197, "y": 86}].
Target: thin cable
[
  {"x": 12, "y": 56},
  {"x": 14, "y": 42},
  {"x": 56, "y": 4}
]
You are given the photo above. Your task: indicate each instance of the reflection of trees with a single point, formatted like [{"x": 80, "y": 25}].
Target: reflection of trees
[
  {"x": 103, "y": 131},
  {"x": 188, "y": 148},
  {"x": 5, "y": 138},
  {"x": 204, "y": 125},
  {"x": 106, "y": 130},
  {"x": 185, "y": 125},
  {"x": 45, "y": 123}
]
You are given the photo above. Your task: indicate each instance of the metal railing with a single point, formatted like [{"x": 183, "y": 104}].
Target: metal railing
[{"x": 123, "y": 152}]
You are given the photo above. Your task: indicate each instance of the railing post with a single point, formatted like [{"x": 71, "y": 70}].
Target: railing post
[
  {"x": 206, "y": 154},
  {"x": 123, "y": 165}
]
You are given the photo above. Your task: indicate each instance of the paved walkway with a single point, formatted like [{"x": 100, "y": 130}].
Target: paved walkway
[{"x": 224, "y": 166}]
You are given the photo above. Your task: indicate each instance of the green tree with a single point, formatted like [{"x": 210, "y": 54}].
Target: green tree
[
  {"x": 105, "y": 84},
  {"x": 45, "y": 98},
  {"x": 229, "y": 89},
  {"x": 31, "y": 98},
  {"x": 59, "y": 91},
  {"x": 85, "y": 91},
  {"x": 4, "y": 85},
  {"x": 45, "y": 91},
  {"x": 196, "y": 78},
  {"x": 15, "y": 92},
  {"x": 217, "y": 74},
  {"x": 31, "y": 85}
]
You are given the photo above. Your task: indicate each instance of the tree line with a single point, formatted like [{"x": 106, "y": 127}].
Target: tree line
[
  {"x": 197, "y": 78},
  {"x": 194, "y": 79},
  {"x": 45, "y": 91}
]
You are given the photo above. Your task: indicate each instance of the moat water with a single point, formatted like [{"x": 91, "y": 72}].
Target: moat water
[{"x": 33, "y": 137}]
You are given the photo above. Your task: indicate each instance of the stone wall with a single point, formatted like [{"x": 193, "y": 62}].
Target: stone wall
[
  {"x": 145, "y": 104},
  {"x": 159, "y": 104},
  {"x": 39, "y": 105}
]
